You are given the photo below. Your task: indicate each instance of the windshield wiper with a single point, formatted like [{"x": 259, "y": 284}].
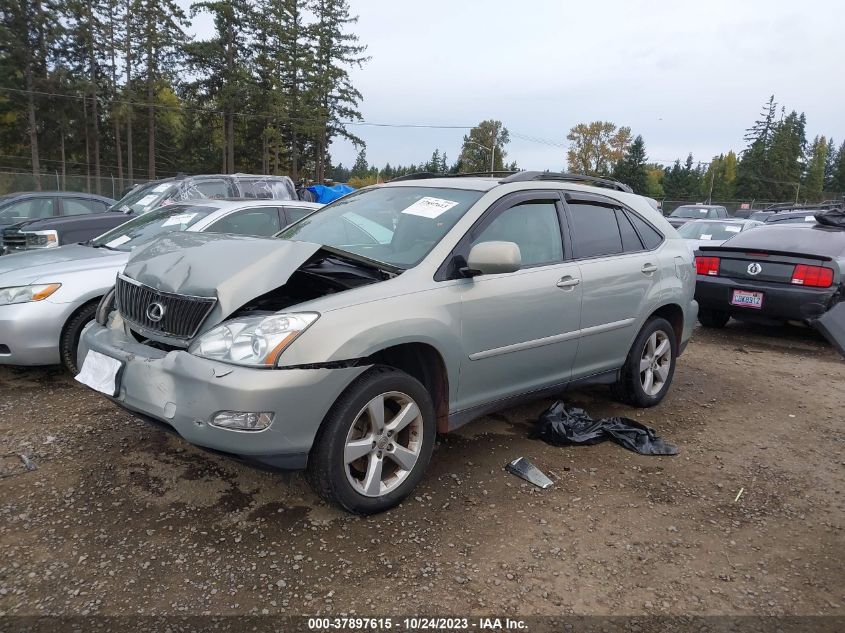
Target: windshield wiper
[{"x": 363, "y": 259}]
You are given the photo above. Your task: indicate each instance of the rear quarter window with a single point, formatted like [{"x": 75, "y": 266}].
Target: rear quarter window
[{"x": 650, "y": 236}]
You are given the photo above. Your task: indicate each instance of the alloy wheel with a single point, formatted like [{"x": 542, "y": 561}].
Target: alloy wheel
[
  {"x": 383, "y": 444},
  {"x": 655, "y": 363}
]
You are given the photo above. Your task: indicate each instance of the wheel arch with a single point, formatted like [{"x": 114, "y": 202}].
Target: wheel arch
[
  {"x": 674, "y": 314},
  {"x": 425, "y": 363}
]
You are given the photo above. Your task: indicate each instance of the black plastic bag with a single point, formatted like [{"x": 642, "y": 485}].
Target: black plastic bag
[
  {"x": 831, "y": 217},
  {"x": 560, "y": 425}
]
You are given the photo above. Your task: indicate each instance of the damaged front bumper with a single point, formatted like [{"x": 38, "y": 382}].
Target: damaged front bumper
[{"x": 184, "y": 392}]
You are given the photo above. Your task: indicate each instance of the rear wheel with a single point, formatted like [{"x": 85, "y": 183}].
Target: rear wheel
[
  {"x": 375, "y": 443},
  {"x": 69, "y": 341},
  {"x": 713, "y": 318},
  {"x": 645, "y": 377}
]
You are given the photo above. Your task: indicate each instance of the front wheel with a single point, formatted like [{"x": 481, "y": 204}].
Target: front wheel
[
  {"x": 645, "y": 377},
  {"x": 69, "y": 341},
  {"x": 375, "y": 443}
]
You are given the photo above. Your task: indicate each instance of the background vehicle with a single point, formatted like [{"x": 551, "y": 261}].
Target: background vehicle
[
  {"x": 16, "y": 208},
  {"x": 773, "y": 274},
  {"x": 344, "y": 352},
  {"x": 683, "y": 214},
  {"x": 47, "y": 233},
  {"x": 712, "y": 232},
  {"x": 47, "y": 297}
]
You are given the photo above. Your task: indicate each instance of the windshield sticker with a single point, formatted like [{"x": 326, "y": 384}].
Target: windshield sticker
[
  {"x": 146, "y": 201},
  {"x": 162, "y": 187},
  {"x": 429, "y": 207},
  {"x": 182, "y": 219},
  {"x": 703, "y": 211},
  {"x": 118, "y": 241},
  {"x": 706, "y": 237},
  {"x": 809, "y": 218},
  {"x": 733, "y": 229}
]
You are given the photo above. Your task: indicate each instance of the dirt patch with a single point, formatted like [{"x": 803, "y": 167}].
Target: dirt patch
[{"x": 119, "y": 518}]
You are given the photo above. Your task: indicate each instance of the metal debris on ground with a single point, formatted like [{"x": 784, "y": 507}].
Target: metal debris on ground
[
  {"x": 15, "y": 464},
  {"x": 524, "y": 469},
  {"x": 560, "y": 425}
]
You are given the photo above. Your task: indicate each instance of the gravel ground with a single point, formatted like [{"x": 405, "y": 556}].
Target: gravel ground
[{"x": 118, "y": 518}]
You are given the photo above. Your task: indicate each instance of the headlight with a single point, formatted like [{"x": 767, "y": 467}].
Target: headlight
[
  {"x": 24, "y": 294},
  {"x": 41, "y": 239},
  {"x": 255, "y": 340}
]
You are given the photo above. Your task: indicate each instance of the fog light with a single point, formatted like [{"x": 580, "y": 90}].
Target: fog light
[{"x": 242, "y": 420}]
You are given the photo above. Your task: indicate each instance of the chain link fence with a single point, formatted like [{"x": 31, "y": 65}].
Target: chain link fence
[{"x": 110, "y": 185}]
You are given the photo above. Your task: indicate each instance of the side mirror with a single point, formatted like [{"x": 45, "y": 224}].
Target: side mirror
[{"x": 491, "y": 258}]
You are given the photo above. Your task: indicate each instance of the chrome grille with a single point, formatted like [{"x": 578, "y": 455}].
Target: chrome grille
[
  {"x": 14, "y": 240},
  {"x": 181, "y": 315}
]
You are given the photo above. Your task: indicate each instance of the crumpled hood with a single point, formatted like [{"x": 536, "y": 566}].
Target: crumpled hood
[
  {"x": 24, "y": 268},
  {"x": 233, "y": 268}
]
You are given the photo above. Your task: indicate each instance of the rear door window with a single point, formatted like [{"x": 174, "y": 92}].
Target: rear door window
[
  {"x": 595, "y": 231},
  {"x": 297, "y": 213}
]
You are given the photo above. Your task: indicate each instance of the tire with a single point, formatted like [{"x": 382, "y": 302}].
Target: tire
[
  {"x": 633, "y": 387},
  {"x": 713, "y": 318},
  {"x": 69, "y": 341},
  {"x": 350, "y": 426}
]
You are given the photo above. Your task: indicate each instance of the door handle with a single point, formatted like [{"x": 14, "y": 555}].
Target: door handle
[
  {"x": 648, "y": 268},
  {"x": 568, "y": 282}
]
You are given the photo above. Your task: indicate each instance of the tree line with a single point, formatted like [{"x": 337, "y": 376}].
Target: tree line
[
  {"x": 117, "y": 86},
  {"x": 777, "y": 164}
]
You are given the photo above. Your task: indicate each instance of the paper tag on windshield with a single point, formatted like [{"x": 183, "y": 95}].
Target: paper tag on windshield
[
  {"x": 163, "y": 187},
  {"x": 146, "y": 201},
  {"x": 118, "y": 241},
  {"x": 706, "y": 237},
  {"x": 733, "y": 229},
  {"x": 429, "y": 207},
  {"x": 703, "y": 211},
  {"x": 810, "y": 218},
  {"x": 182, "y": 218}
]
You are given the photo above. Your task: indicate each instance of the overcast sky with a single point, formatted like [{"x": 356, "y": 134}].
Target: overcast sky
[{"x": 688, "y": 76}]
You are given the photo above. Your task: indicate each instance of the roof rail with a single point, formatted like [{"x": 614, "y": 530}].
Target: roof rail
[
  {"x": 422, "y": 175},
  {"x": 524, "y": 176}
]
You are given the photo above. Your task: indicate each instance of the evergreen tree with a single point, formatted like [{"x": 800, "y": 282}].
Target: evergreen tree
[
  {"x": 361, "y": 167},
  {"x": 813, "y": 186},
  {"x": 158, "y": 49},
  {"x": 786, "y": 157},
  {"x": 334, "y": 98},
  {"x": 29, "y": 31},
  {"x": 753, "y": 166},
  {"x": 837, "y": 181},
  {"x": 830, "y": 165},
  {"x": 631, "y": 169}
]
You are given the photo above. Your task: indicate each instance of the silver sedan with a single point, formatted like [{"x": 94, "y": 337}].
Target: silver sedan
[{"x": 47, "y": 297}]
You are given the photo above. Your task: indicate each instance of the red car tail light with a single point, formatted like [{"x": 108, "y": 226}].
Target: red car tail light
[
  {"x": 816, "y": 276},
  {"x": 707, "y": 266}
]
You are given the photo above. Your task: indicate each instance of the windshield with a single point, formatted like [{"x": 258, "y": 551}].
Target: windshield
[
  {"x": 144, "y": 197},
  {"x": 177, "y": 217},
  {"x": 690, "y": 212},
  {"x": 394, "y": 225},
  {"x": 709, "y": 230}
]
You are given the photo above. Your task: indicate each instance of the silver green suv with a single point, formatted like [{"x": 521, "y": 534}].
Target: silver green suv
[{"x": 394, "y": 313}]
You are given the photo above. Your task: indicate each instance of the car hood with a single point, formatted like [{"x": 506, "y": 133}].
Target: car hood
[
  {"x": 676, "y": 222},
  {"x": 31, "y": 266},
  {"x": 233, "y": 268}
]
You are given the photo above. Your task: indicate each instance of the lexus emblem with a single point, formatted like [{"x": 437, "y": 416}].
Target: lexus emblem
[
  {"x": 754, "y": 268},
  {"x": 155, "y": 312}
]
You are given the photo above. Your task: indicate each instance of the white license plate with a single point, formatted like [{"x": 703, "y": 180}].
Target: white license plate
[
  {"x": 100, "y": 372},
  {"x": 747, "y": 299}
]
